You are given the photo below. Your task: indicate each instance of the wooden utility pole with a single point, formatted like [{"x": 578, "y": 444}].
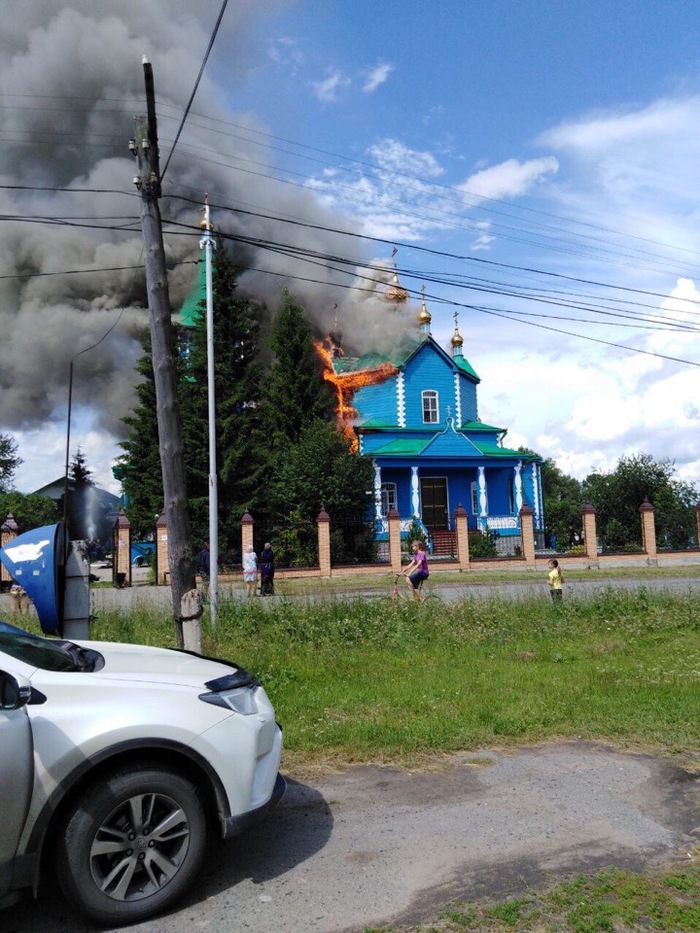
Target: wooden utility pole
[{"x": 180, "y": 561}]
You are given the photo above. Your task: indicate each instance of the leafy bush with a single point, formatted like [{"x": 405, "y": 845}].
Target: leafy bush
[{"x": 482, "y": 545}]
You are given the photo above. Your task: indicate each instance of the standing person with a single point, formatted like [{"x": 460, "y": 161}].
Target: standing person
[
  {"x": 417, "y": 570},
  {"x": 204, "y": 568},
  {"x": 267, "y": 571},
  {"x": 556, "y": 579},
  {"x": 250, "y": 569},
  {"x": 20, "y": 601}
]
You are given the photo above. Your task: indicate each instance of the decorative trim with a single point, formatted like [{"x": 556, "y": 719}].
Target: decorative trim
[
  {"x": 458, "y": 399},
  {"x": 401, "y": 399}
]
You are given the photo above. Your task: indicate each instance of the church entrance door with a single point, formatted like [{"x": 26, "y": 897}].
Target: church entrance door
[{"x": 433, "y": 494}]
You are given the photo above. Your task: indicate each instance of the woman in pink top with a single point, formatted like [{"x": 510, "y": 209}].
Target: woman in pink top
[{"x": 417, "y": 570}]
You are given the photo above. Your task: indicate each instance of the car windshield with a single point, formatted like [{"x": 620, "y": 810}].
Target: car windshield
[{"x": 50, "y": 654}]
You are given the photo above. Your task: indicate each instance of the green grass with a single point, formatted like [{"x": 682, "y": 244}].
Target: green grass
[
  {"x": 609, "y": 901},
  {"x": 362, "y": 680},
  {"x": 357, "y": 680}
]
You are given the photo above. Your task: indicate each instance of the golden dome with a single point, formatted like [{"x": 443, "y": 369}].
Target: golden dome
[
  {"x": 457, "y": 340},
  {"x": 396, "y": 293},
  {"x": 424, "y": 316}
]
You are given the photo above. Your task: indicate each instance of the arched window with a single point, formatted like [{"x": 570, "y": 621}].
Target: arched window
[{"x": 431, "y": 411}]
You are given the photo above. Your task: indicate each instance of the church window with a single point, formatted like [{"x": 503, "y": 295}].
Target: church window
[
  {"x": 511, "y": 497},
  {"x": 431, "y": 413},
  {"x": 475, "y": 500},
  {"x": 388, "y": 494}
]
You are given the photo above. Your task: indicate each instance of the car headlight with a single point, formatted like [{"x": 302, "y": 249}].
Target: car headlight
[{"x": 240, "y": 700}]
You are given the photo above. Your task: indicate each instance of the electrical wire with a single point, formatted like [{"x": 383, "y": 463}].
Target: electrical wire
[{"x": 196, "y": 86}]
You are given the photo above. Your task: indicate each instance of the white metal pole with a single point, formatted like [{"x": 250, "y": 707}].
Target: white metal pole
[{"x": 207, "y": 244}]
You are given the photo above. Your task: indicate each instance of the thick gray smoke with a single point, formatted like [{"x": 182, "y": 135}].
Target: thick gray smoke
[{"x": 70, "y": 83}]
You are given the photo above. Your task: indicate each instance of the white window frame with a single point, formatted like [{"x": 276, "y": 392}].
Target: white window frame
[
  {"x": 431, "y": 406},
  {"x": 388, "y": 498}
]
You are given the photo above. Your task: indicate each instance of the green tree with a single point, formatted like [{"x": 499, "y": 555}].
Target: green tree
[
  {"x": 241, "y": 445},
  {"x": 138, "y": 469},
  {"x": 29, "y": 511},
  {"x": 617, "y": 496},
  {"x": 9, "y": 461},
  {"x": 318, "y": 471},
  {"x": 296, "y": 392},
  {"x": 562, "y": 501},
  {"x": 79, "y": 514}
]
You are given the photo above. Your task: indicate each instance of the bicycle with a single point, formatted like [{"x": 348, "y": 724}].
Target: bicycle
[{"x": 401, "y": 593}]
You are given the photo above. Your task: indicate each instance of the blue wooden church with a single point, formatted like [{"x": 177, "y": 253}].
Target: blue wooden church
[{"x": 419, "y": 422}]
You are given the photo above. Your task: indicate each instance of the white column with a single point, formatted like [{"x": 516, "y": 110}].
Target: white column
[
  {"x": 415, "y": 492},
  {"x": 377, "y": 492},
  {"x": 536, "y": 495},
  {"x": 518, "y": 487},
  {"x": 483, "y": 501}
]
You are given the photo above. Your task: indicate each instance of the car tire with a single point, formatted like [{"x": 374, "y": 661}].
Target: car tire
[{"x": 132, "y": 844}]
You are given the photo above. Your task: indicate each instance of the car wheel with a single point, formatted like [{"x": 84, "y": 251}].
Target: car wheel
[{"x": 131, "y": 845}]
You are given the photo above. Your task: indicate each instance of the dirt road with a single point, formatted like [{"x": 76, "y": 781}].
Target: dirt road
[{"x": 376, "y": 845}]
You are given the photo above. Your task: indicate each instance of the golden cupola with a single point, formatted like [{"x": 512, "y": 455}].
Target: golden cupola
[
  {"x": 424, "y": 316},
  {"x": 395, "y": 294}
]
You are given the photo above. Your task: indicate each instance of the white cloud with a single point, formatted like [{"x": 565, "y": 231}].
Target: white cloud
[
  {"x": 377, "y": 76},
  {"x": 509, "y": 179},
  {"x": 392, "y": 155},
  {"x": 327, "y": 89}
]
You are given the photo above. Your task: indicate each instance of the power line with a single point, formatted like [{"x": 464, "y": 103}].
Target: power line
[{"x": 196, "y": 85}]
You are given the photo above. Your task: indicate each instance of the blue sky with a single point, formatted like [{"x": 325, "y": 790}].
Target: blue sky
[{"x": 550, "y": 146}]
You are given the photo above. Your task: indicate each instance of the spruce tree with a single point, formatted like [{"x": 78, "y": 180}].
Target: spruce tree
[
  {"x": 296, "y": 392},
  {"x": 241, "y": 449},
  {"x": 139, "y": 468}
]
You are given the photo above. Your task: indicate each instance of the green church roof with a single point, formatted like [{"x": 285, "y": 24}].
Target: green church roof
[{"x": 193, "y": 305}]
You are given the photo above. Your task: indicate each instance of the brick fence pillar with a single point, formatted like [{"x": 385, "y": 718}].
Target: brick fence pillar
[
  {"x": 462, "y": 528},
  {"x": 590, "y": 533},
  {"x": 247, "y": 526},
  {"x": 8, "y": 532},
  {"x": 162, "y": 562},
  {"x": 394, "y": 540},
  {"x": 121, "y": 550},
  {"x": 323, "y": 522},
  {"x": 527, "y": 529},
  {"x": 646, "y": 511}
]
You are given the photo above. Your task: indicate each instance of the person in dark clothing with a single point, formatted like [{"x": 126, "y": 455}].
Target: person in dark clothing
[
  {"x": 204, "y": 562},
  {"x": 267, "y": 571},
  {"x": 204, "y": 568}
]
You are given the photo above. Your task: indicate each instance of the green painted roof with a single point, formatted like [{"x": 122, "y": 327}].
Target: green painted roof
[
  {"x": 356, "y": 364},
  {"x": 493, "y": 450},
  {"x": 192, "y": 306},
  {"x": 401, "y": 447},
  {"x": 465, "y": 365},
  {"x": 477, "y": 426}
]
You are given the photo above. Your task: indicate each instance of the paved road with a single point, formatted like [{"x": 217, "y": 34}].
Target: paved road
[{"x": 378, "y": 845}]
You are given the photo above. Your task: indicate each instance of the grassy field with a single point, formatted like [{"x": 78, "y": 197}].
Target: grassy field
[{"x": 362, "y": 680}]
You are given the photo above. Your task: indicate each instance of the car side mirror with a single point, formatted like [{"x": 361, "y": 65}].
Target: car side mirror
[{"x": 15, "y": 692}]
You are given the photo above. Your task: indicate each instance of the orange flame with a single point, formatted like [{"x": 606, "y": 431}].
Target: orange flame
[{"x": 346, "y": 384}]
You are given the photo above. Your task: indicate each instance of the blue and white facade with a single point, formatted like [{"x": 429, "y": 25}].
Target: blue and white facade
[{"x": 431, "y": 452}]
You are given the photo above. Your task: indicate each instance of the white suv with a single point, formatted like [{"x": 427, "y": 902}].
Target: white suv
[{"x": 118, "y": 759}]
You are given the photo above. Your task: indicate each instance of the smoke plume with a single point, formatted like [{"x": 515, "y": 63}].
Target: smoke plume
[{"x": 71, "y": 82}]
